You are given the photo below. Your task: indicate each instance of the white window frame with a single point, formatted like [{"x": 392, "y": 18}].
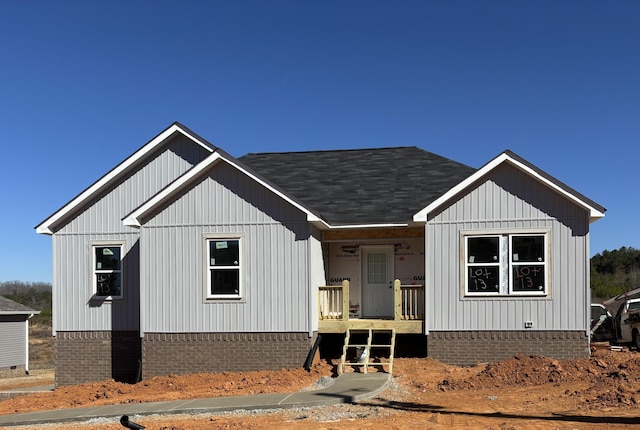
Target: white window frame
[
  {"x": 95, "y": 271},
  {"x": 471, "y": 264},
  {"x": 506, "y": 263},
  {"x": 240, "y": 267},
  {"x": 514, "y": 263}
]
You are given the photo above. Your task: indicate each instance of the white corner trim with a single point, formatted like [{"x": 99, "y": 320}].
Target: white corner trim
[
  {"x": 423, "y": 215},
  {"x": 45, "y": 226}
]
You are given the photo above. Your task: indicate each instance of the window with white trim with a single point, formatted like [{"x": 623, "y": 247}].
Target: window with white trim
[
  {"x": 506, "y": 264},
  {"x": 107, "y": 271},
  {"x": 224, "y": 268}
]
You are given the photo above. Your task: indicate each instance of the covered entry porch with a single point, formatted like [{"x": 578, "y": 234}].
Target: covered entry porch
[{"x": 407, "y": 318}]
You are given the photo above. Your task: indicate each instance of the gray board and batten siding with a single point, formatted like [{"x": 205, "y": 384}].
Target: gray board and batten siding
[
  {"x": 278, "y": 243},
  {"x": 508, "y": 200},
  {"x": 13, "y": 340},
  {"x": 14, "y": 334},
  {"x": 99, "y": 220}
]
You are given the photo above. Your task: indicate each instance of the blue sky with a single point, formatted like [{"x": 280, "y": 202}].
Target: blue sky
[{"x": 83, "y": 84}]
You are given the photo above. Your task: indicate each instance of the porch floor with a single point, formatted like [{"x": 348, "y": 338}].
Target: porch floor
[{"x": 400, "y": 326}]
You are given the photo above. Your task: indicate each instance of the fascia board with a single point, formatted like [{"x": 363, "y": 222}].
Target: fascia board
[
  {"x": 135, "y": 217},
  {"x": 45, "y": 226},
  {"x": 422, "y": 216},
  {"x": 352, "y": 226},
  {"x": 19, "y": 312}
]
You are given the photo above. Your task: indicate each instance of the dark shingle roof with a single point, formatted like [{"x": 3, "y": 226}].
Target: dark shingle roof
[
  {"x": 9, "y": 307},
  {"x": 363, "y": 186}
]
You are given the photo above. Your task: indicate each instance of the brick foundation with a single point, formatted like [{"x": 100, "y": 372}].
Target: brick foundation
[
  {"x": 12, "y": 371},
  {"x": 181, "y": 353},
  {"x": 466, "y": 348},
  {"x": 93, "y": 356}
]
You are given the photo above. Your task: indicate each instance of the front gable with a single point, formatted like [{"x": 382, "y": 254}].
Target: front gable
[
  {"x": 222, "y": 203},
  {"x": 504, "y": 202}
]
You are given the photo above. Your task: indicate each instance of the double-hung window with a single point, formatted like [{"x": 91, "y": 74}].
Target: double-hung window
[
  {"x": 528, "y": 265},
  {"x": 107, "y": 271},
  {"x": 224, "y": 268},
  {"x": 484, "y": 261},
  {"x": 506, "y": 264}
]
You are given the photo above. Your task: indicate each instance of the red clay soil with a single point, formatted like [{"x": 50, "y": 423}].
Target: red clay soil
[{"x": 518, "y": 393}]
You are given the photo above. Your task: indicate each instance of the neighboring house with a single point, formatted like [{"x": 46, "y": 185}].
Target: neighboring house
[
  {"x": 185, "y": 259},
  {"x": 14, "y": 336}
]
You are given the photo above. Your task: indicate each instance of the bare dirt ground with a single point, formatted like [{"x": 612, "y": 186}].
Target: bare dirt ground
[{"x": 520, "y": 393}]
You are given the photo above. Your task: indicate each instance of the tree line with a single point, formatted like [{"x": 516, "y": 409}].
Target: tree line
[
  {"x": 36, "y": 295},
  {"x": 614, "y": 272}
]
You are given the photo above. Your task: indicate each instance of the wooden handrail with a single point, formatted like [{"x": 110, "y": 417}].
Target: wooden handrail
[
  {"x": 333, "y": 301},
  {"x": 408, "y": 301}
]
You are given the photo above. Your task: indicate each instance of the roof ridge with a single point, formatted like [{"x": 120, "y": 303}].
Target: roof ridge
[{"x": 334, "y": 150}]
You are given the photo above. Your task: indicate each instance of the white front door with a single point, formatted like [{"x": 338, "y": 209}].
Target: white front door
[{"x": 377, "y": 281}]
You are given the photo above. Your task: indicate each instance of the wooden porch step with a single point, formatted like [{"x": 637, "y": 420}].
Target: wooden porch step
[{"x": 360, "y": 354}]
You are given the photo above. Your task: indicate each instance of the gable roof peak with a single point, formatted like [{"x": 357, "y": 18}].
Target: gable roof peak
[
  {"x": 595, "y": 210},
  {"x": 45, "y": 227}
]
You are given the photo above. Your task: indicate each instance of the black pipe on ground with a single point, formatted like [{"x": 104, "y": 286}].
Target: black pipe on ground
[
  {"x": 124, "y": 420},
  {"x": 312, "y": 353}
]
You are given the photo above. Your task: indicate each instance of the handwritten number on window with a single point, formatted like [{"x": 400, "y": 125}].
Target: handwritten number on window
[
  {"x": 104, "y": 284},
  {"x": 527, "y": 275},
  {"x": 483, "y": 278}
]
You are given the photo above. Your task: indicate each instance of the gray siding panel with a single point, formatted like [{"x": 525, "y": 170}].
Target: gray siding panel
[
  {"x": 101, "y": 220},
  {"x": 508, "y": 200},
  {"x": 13, "y": 332},
  {"x": 73, "y": 280},
  {"x": 275, "y": 238}
]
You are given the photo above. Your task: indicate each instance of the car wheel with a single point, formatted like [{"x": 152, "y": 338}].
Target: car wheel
[{"x": 636, "y": 339}]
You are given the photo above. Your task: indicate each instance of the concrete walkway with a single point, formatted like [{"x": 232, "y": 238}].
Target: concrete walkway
[
  {"x": 14, "y": 392},
  {"x": 347, "y": 388}
]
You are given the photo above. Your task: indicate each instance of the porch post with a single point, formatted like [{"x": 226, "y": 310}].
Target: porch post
[
  {"x": 397, "y": 300},
  {"x": 345, "y": 300}
]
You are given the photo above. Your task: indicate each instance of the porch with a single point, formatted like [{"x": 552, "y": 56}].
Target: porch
[{"x": 407, "y": 318}]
